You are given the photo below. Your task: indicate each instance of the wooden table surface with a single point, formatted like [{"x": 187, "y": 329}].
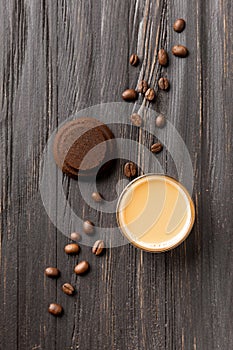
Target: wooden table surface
[{"x": 58, "y": 57}]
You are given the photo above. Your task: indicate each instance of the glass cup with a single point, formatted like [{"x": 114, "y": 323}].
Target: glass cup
[{"x": 155, "y": 213}]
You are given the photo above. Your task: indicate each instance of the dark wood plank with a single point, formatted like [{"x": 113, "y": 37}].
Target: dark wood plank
[
  {"x": 28, "y": 115},
  {"x": 61, "y": 56}
]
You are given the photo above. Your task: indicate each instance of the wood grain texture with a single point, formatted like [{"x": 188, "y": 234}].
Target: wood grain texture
[{"x": 56, "y": 58}]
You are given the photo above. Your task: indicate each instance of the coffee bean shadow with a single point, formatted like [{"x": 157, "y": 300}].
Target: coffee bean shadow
[{"x": 85, "y": 273}]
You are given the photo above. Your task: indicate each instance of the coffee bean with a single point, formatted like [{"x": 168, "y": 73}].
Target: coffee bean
[
  {"x": 150, "y": 95},
  {"x": 179, "y": 25},
  {"x": 55, "y": 309},
  {"x": 75, "y": 236},
  {"x": 72, "y": 248},
  {"x": 163, "y": 84},
  {"x": 130, "y": 95},
  {"x": 134, "y": 60},
  {"x": 98, "y": 247},
  {"x": 81, "y": 268},
  {"x": 130, "y": 169},
  {"x": 142, "y": 87},
  {"x": 88, "y": 227},
  {"x": 52, "y": 272},
  {"x": 180, "y": 51},
  {"x": 160, "y": 121},
  {"x": 163, "y": 57},
  {"x": 136, "y": 119},
  {"x": 156, "y": 147},
  {"x": 96, "y": 196},
  {"x": 68, "y": 289}
]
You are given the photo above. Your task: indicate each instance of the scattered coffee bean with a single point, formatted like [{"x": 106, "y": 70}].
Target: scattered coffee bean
[
  {"x": 142, "y": 87},
  {"x": 150, "y": 95},
  {"x": 55, "y": 309},
  {"x": 164, "y": 84},
  {"x": 68, "y": 289},
  {"x": 75, "y": 236},
  {"x": 179, "y": 25},
  {"x": 72, "y": 248},
  {"x": 96, "y": 196},
  {"x": 130, "y": 169},
  {"x": 52, "y": 272},
  {"x": 180, "y": 51},
  {"x": 88, "y": 227},
  {"x": 160, "y": 121},
  {"x": 130, "y": 95},
  {"x": 98, "y": 247},
  {"x": 134, "y": 60},
  {"x": 163, "y": 57},
  {"x": 156, "y": 147},
  {"x": 81, "y": 268},
  {"x": 136, "y": 119}
]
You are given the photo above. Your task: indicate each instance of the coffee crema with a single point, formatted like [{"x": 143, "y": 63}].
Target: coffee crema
[{"x": 155, "y": 212}]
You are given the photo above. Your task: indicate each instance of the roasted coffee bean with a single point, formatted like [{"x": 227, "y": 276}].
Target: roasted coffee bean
[
  {"x": 72, "y": 248},
  {"x": 75, "y": 236},
  {"x": 156, "y": 147},
  {"x": 52, "y": 272},
  {"x": 142, "y": 87},
  {"x": 163, "y": 83},
  {"x": 96, "y": 196},
  {"x": 55, "y": 309},
  {"x": 179, "y": 25},
  {"x": 88, "y": 227},
  {"x": 81, "y": 268},
  {"x": 130, "y": 95},
  {"x": 160, "y": 121},
  {"x": 136, "y": 119},
  {"x": 134, "y": 60},
  {"x": 130, "y": 169},
  {"x": 98, "y": 247},
  {"x": 163, "y": 57},
  {"x": 150, "y": 95},
  {"x": 180, "y": 51},
  {"x": 68, "y": 289}
]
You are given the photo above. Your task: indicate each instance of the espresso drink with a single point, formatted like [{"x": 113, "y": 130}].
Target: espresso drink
[{"x": 155, "y": 212}]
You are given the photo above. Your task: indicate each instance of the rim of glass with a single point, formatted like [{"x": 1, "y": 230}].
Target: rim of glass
[{"x": 158, "y": 248}]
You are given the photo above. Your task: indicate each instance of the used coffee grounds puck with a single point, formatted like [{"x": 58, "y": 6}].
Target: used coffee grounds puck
[{"x": 80, "y": 147}]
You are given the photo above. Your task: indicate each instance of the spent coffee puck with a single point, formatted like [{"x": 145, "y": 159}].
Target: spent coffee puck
[{"x": 80, "y": 147}]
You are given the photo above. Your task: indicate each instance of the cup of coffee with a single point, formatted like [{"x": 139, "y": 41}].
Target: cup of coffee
[{"x": 155, "y": 213}]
